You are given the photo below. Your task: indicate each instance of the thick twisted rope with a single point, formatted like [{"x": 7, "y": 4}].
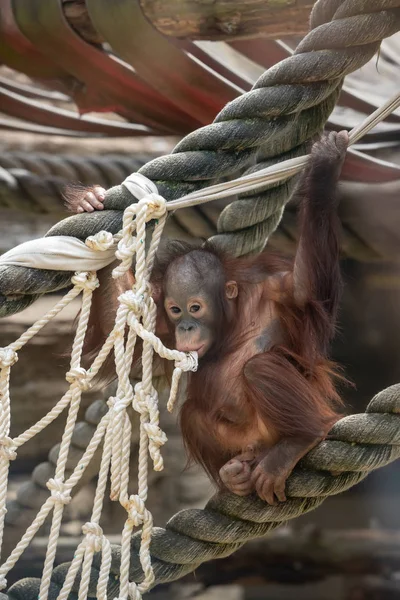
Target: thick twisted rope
[
  {"x": 288, "y": 105},
  {"x": 358, "y": 444},
  {"x": 35, "y": 182}
]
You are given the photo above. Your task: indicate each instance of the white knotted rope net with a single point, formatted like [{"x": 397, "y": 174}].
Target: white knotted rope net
[{"x": 136, "y": 315}]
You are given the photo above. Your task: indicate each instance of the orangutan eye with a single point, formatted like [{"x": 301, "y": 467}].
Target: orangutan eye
[
  {"x": 175, "y": 309},
  {"x": 195, "y": 308}
]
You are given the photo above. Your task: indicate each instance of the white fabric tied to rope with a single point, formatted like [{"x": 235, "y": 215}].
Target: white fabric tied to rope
[
  {"x": 59, "y": 253},
  {"x": 139, "y": 186}
]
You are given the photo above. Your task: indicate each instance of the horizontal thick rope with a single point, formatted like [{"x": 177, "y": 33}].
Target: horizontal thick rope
[
  {"x": 35, "y": 182},
  {"x": 358, "y": 444},
  {"x": 273, "y": 122}
]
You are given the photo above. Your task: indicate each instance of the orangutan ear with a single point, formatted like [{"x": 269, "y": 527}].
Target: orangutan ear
[
  {"x": 156, "y": 293},
  {"x": 231, "y": 289}
]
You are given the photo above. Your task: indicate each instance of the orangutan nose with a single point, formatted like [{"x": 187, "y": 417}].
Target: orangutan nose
[{"x": 186, "y": 327}]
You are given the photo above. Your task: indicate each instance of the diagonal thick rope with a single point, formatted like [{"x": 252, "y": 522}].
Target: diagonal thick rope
[
  {"x": 137, "y": 312},
  {"x": 288, "y": 105},
  {"x": 35, "y": 182}
]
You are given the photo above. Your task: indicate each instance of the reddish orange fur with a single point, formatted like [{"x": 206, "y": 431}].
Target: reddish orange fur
[{"x": 290, "y": 387}]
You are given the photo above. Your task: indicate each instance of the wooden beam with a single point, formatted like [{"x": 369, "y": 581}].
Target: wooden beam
[
  {"x": 77, "y": 16},
  {"x": 228, "y": 19},
  {"x": 207, "y": 19}
]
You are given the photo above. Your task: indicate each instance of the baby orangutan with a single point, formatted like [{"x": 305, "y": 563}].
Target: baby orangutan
[{"x": 264, "y": 392}]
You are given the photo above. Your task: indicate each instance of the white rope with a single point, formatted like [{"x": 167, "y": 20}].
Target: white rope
[{"x": 137, "y": 314}]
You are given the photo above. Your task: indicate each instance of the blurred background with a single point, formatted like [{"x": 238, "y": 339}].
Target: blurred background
[{"x": 89, "y": 92}]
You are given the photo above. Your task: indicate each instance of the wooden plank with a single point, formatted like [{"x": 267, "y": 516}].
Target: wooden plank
[{"x": 207, "y": 20}]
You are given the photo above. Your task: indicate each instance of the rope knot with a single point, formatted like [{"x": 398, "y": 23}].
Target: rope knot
[
  {"x": 136, "y": 510},
  {"x": 8, "y": 357},
  {"x": 111, "y": 401},
  {"x": 126, "y": 250},
  {"x": 155, "y": 434},
  {"x": 140, "y": 399},
  {"x": 86, "y": 281},
  {"x": 117, "y": 405},
  {"x": 59, "y": 491},
  {"x": 188, "y": 362},
  {"x": 156, "y": 206},
  {"x": 133, "y": 301},
  {"x": 157, "y": 438},
  {"x": 94, "y": 536},
  {"x": 8, "y": 449},
  {"x": 79, "y": 377},
  {"x": 102, "y": 241},
  {"x": 134, "y": 592}
]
